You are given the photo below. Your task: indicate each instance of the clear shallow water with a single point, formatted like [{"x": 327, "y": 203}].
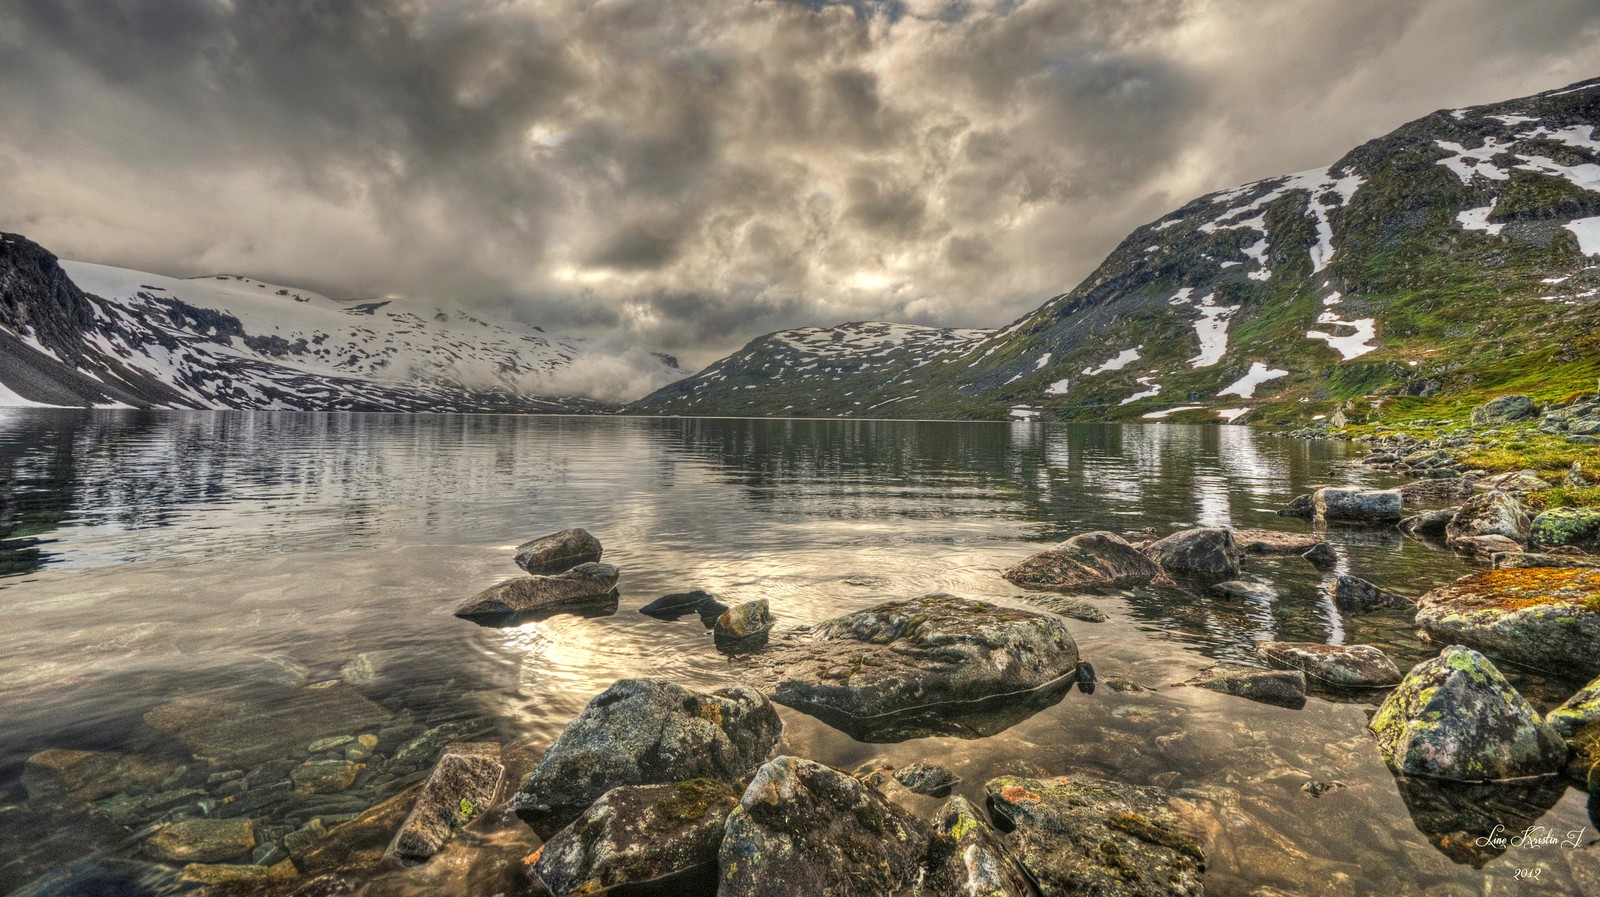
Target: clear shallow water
[{"x": 150, "y": 556}]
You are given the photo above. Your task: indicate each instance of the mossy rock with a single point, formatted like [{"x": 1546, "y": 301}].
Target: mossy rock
[{"x": 1577, "y": 527}]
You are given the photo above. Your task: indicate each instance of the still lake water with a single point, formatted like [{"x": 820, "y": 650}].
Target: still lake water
[{"x": 153, "y": 556}]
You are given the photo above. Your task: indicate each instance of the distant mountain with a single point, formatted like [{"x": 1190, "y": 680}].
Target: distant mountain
[
  {"x": 816, "y": 370},
  {"x": 77, "y": 334},
  {"x": 1458, "y": 254}
]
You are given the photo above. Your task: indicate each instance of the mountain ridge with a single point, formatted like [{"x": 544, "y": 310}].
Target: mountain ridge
[
  {"x": 1393, "y": 272},
  {"x": 82, "y": 334}
]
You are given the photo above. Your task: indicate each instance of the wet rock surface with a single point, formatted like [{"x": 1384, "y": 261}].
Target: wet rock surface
[
  {"x": 1067, "y": 606},
  {"x": 966, "y": 856},
  {"x": 1543, "y": 617},
  {"x": 1455, "y": 717},
  {"x": 746, "y": 620},
  {"x": 646, "y": 732},
  {"x": 1087, "y": 560},
  {"x": 558, "y": 552},
  {"x": 1353, "y": 593},
  {"x": 463, "y": 785},
  {"x": 1429, "y": 524},
  {"x": 1340, "y": 505},
  {"x": 1340, "y": 666},
  {"x": 585, "y": 583},
  {"x": 926, "y": 778},
  {"x": 682, "y": 604},
  {"x": 803, "y": 828},
  {"x": 1266, "y": 541},
  {"x": 928, "y": 655},
  {"x": 1282, "y": 688},
  {"x": 1079, "y": 836},
  {"x": 1204, "y": 553},
  {"x": 667, "y": 835}
]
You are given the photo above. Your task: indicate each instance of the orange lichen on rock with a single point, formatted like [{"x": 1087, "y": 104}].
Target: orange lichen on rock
[
  {"x": 1515, "y": 589},
  {"x": 1016, "y": 794}
]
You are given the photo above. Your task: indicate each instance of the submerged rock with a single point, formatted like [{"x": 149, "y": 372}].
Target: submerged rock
[
  {"x": 1301, "y": 506},
  {"x": 966, "y": 856},
  {"x": 1342, "y": 666},
  {"x": 1488, "y": 514},
  {"x": 1543, "y": 617},
  {"x": 463, "y": 784},
  {"x": 532, "y": 594},
  {"x": 558, "y": 552},
  {"x": 1333, "y": 503},
  {"x": 1283, "y": 688},
  {"x": 1455, "y": 717},
  {"x": 646, "y": 732},
  {"x": 92, "y": 775},
  {"x": 802, "y": 828},
  {"x": 1321, "y": 555},
  {"x": 1076, "y": 836},
  {"x": 935, "y": 653},
  {"x": 926, "y": 778},
  {"x": 1266, "y": 541},
  {"x": 1235, "y": 588},
  {"x": 1429, "y": 524},
  {"x": 324, "y": 776},
  {"x": 1559, "y": 527},
  {"x": 252, "y": 725},
  {"x": 1456, "y": 816},
  {"x": 1353, "y": 593},
  {"x": 1090, "y": 559},
  {"x": 202, "y": 840},
  {"x": 665, "y": 835},
  {"x": 1203, "y": 553},
  {"x": 1067, "y": 606}
]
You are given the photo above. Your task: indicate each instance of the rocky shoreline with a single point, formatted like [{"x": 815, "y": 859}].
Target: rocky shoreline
[{"x": 293, "y": 787}]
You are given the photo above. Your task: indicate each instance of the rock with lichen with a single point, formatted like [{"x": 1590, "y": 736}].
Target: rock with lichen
[
  {"x": 646, "y": 732},
  {"x": 1078, "y": 836},
  {"x": 665, "y": 835},
  {"x": 463, "y": 784},
  {"x": 803, "y": 828},
  {"x": 1543, "y": 617},
  {"x": 1456, "y": 717},
  {"x": 967, "y": 856},
  {"x": 1560, "y": 527},
  {"x": 1083, "y": 561},
  {"x": 1578, "y": 711},
  {"x": 1494, "y": 513},
  {"x": 1341, "y": 505}
]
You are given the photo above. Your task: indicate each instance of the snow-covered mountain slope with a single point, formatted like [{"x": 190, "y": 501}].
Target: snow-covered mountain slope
[
  {"x": 1460, "y": 252},
  {"x": 798, "y": 371},
  {"x": 94, "y": 334}
]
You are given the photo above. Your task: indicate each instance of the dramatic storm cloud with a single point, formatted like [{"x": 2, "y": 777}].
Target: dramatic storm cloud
[{"x": 681, "y": 176}]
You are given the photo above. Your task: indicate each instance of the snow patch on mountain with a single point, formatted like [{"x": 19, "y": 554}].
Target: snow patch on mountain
[{"x": 1245, "y": 387}]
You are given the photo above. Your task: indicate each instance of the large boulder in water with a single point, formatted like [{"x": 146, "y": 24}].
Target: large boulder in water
[
  {"x": 1090, "y": 559},
  {"x": 802, "y": 828},
  {"x": 1076, "y": 836},
  {"x": 558, "y": 552},
  {"x": 1488, "y": 514},
  {"x": 1332, "y": 503},
  {"x": 1340, "y": 666},
  {"x": 582, "y": 584},
  {"x": 660, "y": 835},
  {"x": 1204, "y": 553},
  {"x": 934, "y": 653},
  {"x": 1503, "y": 410},
  {"x": 1543, "y": 617},
  {"x": 1455, "y": 717},
  {"x": 646, "y": 732}
]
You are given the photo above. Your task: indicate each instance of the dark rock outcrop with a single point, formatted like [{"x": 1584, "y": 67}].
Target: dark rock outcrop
[
  {"x": 1503, "y": 410},
  {"x": 646, "y": 732}
]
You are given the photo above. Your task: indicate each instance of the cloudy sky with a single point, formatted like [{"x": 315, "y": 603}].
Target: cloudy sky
[{"x": 686, "y": 175}]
